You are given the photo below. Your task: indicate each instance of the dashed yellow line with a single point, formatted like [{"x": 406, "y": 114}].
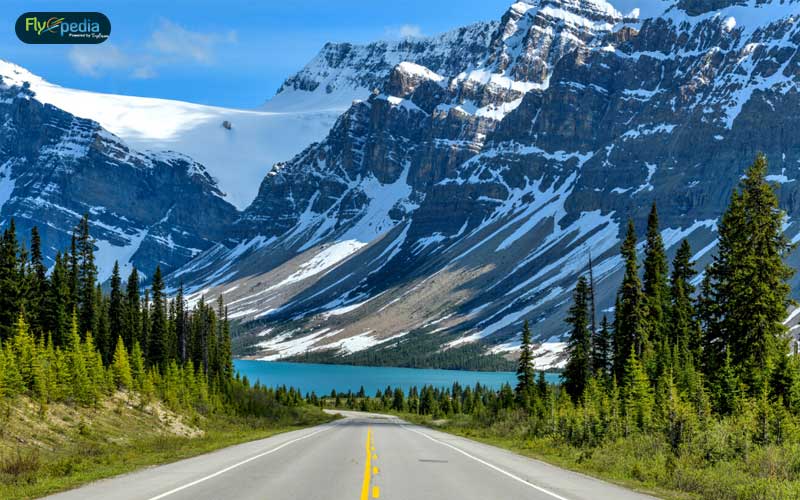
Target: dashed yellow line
[{"x": 376, "y": 492}]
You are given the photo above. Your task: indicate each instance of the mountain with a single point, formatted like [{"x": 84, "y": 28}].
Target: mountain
[
  {"x": 468, "y": 190},
  {"x": 255, "y": 141},
  {"x": 146, "y": 209},
  {"x": 430, "y": 194}
]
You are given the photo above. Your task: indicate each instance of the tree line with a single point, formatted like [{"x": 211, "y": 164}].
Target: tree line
[
  {"x": 63, "y": 337},
  {"x": 723, "y": 345}
]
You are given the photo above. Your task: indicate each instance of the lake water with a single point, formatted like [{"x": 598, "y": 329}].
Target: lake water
[{"x": 322, "y": 378}]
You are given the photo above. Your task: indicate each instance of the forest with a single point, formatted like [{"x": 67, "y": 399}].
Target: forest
[
  {"x": 685, "y": 392},
  {"x": 96, "y": 381}
]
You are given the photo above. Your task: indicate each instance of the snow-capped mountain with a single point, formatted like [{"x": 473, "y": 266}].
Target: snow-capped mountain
[
  {"x": 462, "y": 181},
  {"x": 255, "y": 140},
  {"x": 146, "y": 209},
  {"x": 466, "y": 192}
]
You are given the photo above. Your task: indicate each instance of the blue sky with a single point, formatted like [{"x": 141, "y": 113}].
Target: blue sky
[{"x": 229, "y": 52}]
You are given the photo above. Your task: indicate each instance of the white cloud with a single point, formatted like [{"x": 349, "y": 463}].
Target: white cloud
[
  {"x": 405, "y": 31},
  {"x": 92, "y": 60},
  {"x": 175, "y": 40},
  {"x": 144, "y": 73},
  {"x": 169, "y": 43}
]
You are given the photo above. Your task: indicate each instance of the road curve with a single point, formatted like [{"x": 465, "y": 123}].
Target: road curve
[{"x": 361, "y": 457}]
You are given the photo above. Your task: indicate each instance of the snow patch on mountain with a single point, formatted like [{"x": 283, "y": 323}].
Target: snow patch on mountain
[{"x": 237, "y": 157}]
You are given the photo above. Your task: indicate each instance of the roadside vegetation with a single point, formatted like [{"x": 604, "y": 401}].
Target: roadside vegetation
[
  {"x": 93, "y": 384},
  {"x": 683, "y": 393}
]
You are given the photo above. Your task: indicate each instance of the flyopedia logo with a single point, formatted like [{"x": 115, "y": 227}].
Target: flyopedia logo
[{"x": 63, "y": 27}]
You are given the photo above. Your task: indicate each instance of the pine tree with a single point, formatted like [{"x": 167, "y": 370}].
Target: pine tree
[
  {"x": 224, "y": 353},
  {"x": 748, "y": 279},
  {"x": 158, "y": 344},
  {"x": 87, "y": 278},
  {"x": 131, "y": 332},
  {"x": 74, "y": 259},
  {"x": 181, "y": 325},
  {"x": 655, "y": 287},
  {"x": 56, "y": 317},
  {"x": 525, "y": 373},
  {"x": 592, "y": 305},
  {"x": 9, "y": 281},
  {"x": 578, "y": 370},
  {"x": 628, "y": 328},
  {"x": 116, "y": 308},
  {"x": 683, "y": 324},
  {"x": 601, "y": 349},
  {"x": 637, "y": 393},
  {"x": 101, "y": 334},
  {"x": 121, "y": 367},
  {"x": 37, "y": 284}
]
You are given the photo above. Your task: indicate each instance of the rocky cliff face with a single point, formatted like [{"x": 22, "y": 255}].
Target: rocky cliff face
[
  {"x": 465, "y": 188},
  {"x": 466, "y": 193},
  {"x": 146, "y": 209}
]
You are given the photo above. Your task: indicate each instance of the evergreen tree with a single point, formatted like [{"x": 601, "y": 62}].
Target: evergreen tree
[
  {"x": 637, "y": 394},
  {"x": 683, "y": 325},
  {"x": 224, "y": 354},
  {"x": 748, "y": 279},
  {"x": 9, "y": 282},
  {"x": 121, "y": 367},
  {"x": 37, "y": 284},
  {"x": 525, "y": 372},
  {"x": 181, "y": 325},
  {"x": 116, "y": 308},
  {"x": 73, "y": 273},
  {"x": 578, "y": 370},
  {"x": 132, "y": 329},
  {"x": 654, "y": 286},
  {"x": 101, "y": 333},
  {"x": 628, "y": 328},
  {"x": 56, "y": 312},
  {"x": 87, "y": 277},
  {"x": 601, "y": 349},
  {"x": 158, "y": 344}
]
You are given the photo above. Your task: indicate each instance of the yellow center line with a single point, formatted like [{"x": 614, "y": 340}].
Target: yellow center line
[{"x": 367, "y": 468}]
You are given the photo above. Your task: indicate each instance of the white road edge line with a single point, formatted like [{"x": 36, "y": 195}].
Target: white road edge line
[
  {"x": 226, "y": 469},
  {"x": 487, "y": 464}
]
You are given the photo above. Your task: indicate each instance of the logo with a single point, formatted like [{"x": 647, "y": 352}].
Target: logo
[{"x": 63, "y": 27}]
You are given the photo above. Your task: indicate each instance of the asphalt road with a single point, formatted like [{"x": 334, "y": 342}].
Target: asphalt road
[{"x": 361, "y": 457}]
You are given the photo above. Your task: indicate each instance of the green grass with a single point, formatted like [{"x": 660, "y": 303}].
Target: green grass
[
  {"x": 68, "y": 446},
  {"x": 645, "y": 463}
]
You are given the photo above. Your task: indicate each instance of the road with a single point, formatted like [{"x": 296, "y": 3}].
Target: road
[{"x": 361, "y": 457}]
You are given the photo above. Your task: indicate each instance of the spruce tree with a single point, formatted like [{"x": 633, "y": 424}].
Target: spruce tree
[
  {"x": 87, "y": 278},
  {"x": 637, "y": 393},
  {"x": 57, "y": 302},
  {"x": 601, "y": 349},
  {"x": 37, "y": 284},
  {"x": 158, "y": 343},
  {"x": 683, "y": 325},
  {"x": 131, "y": 332},
  {"x": 628, "y": 328},
  {"x": 578, "y": 370},
  {"x": 181, "y": 325},
  {"x": 525, "y": 373},
  {"x": 749, "y": 282},
  {"x": 655, "y": 287},
  {"x": 121, "y": 367},
  {"x": 9, "y": 282},
  {"x": 116, "y": 311}
]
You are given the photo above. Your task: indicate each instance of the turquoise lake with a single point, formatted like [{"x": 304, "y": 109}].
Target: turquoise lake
[{"x": 323, "y": 378}]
